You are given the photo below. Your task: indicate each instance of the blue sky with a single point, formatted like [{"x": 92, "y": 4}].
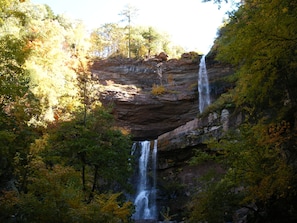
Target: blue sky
[{"x": 190, "y": 23}]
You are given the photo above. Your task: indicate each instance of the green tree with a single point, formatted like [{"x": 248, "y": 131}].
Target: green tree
[
  {"x": 17, "y": 103},
  {"x": 259, "y": 176},
  {"x": 57, "y": 45},
  {"x": 36, "y": 186},
  {"x": 8, "y": 10},
  {"x": 101, "y": 152},
  {"x": 54, "y": 195},
  {"x": 129, "y": 13},
  {"x": 108, "y": 40},
  {"x": 259, "y": 157},
  {"x": 260, "y": 39},
  {"x": 150, "y": 37}
]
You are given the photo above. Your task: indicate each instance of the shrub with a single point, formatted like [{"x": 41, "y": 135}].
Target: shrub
[{"x": 158, "y": 90}]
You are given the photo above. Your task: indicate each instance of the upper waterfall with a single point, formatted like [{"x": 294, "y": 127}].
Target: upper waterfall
[{"x": 203, "y": 86}]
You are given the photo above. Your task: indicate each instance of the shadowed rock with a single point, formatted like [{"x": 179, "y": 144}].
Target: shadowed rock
[{"x": 127, "y": 86}]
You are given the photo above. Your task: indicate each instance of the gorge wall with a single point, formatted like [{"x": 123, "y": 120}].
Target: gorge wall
[
  {"x": 178, "y": 180},
  {"x": 127, "y": 87},
  {"x": 171, "y": 117}
]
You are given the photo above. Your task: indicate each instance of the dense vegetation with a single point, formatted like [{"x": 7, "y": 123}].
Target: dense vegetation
[
  {"x": 61, "y": 157},
  {"x": 63, "y": 160},
  {"x": 260, "y": 40}
]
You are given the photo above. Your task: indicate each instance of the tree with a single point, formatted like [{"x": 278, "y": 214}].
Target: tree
[
  {"x": 7, "y": 10},
  {"x": 45, "y": 56},
  {"x": 150, "y": 36},
  {"x": 96, "y": 148},
  {"x": 53, "y": 80},
  {"x": 57, "y": 46},
  {"x": 17, "y": 103},
  {"x": 220, "y": 2},
  {"x": 54, "y": 195},
  {"x": 35, "y": 185},
  {"x": 108, "y": 40},
  {"x": 260, "y": 42},
  {"x": 264, "y": 49},
  {"x": 259, "y": 176},
  {"x": 129, "y": 13}
]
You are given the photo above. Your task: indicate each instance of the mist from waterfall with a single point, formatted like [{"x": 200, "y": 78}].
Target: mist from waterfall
[
  {"x": 203, "y": 86},
  {"x": 145, "y": 198}
]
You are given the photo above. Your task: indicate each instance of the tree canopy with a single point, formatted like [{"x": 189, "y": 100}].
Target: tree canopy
[
  {"x": 259, "y": 40},
  {"x": 62, "y": 159}
]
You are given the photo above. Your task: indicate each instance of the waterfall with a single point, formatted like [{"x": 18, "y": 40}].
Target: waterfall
[
  {"x": 203, "y": 86},
  {"x": 145, "y": 198}
]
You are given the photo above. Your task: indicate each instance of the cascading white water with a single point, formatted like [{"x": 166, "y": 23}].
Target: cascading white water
[
  {"x": 154, "y": 174},
  {"x": 145, "y": 199},
  {"x": 203, "y": 86}
]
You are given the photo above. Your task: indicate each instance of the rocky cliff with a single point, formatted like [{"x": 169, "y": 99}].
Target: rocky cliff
[
  {"x": 171, "y": 116},
  {"x": 178, "y": 181},
  {"x": 128, "y": 83}
]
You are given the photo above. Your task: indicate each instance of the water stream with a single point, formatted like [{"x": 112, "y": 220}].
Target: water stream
[
  {"x": 145, "y": 198},
  {"x": 203, "y": 86},
  {"x": 146, "y": 179}
]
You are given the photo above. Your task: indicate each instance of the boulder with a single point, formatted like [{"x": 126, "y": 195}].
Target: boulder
[{"x": 162, "y": 56}]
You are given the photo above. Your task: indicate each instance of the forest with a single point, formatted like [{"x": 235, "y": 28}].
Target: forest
[{"x": 62, "y": 159}]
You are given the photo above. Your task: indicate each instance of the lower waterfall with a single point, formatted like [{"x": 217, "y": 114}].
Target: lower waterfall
[{"x": 145, "y": 198}]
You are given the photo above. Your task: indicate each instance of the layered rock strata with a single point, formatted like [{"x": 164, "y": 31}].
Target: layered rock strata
[
  {"x": 178, "y": 181},
  {"x": 171, "y": 117},
  {"x": 127, "y": 85}
]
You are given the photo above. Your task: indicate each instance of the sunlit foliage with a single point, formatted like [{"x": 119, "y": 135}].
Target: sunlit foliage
[
  {"x": 52, "y": 46},
  {"x": 259, "y": 176},
  {"x": 54, "y": 195},
  {"x": 17, "y": 103},
  {"x": 100, "y": 152},
  {"x": 261, "y": 40},
  {"x": 111, "y": 40},
  {"x": 49, "y": 127},
  {"x": 259, "y": 157}
]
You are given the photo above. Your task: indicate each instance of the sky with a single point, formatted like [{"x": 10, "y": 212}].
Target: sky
[{"x": 190, "y": 23}]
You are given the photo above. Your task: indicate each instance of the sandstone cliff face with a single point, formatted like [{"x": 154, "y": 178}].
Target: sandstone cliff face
[
  {"x": 127, "y": 86},
  {"x": 172, "y": 117},
  {"x": 177, "y": 180}
]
